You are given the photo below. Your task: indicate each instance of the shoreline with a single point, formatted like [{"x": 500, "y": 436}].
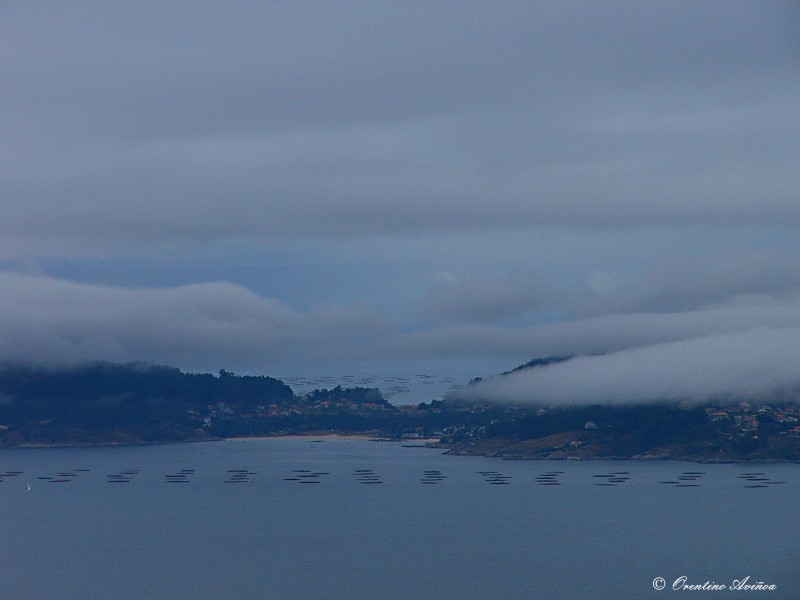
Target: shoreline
[
  {"x": 354, "y": 437},
  {"x": 450, "y": 451},
  {"x": 431, "y": 443}
]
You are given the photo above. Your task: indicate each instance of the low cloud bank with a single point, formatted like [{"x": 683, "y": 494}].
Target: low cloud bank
[
  {"x": 200, "y": 326},
  {"x": 758, "y": 363},
  {"x": 735, "y": 351}
]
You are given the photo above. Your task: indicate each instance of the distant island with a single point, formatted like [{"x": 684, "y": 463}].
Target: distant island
[{"x": 138, "y": 403}]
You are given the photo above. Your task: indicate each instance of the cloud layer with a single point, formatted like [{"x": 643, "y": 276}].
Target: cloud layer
[
  {"x": 204, "y": 326},
  {"x": 726, "y": 351},
  {"x": 758, "y": 363},
  {"x": 132, "y": 126}
]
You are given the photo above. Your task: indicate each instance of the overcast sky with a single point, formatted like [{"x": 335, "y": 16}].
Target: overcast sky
[{"x": 344, "y": 186}]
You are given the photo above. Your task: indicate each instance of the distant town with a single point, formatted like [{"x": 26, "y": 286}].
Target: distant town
[
  {"x": 137, "y": 403},
  {"x": 743, "y": 431}
]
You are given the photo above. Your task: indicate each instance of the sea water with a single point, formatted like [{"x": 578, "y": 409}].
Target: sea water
[{"x": 345, "y": 519}]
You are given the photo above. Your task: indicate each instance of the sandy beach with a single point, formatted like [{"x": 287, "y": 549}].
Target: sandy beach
[{"x": 311, "y": 437}]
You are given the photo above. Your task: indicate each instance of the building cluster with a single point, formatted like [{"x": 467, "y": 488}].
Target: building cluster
[
  {"x": 745, "y": 417},
  {"x": 308, "y": 405}
]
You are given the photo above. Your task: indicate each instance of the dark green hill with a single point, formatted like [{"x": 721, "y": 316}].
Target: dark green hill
[
  {"x": 134, "y": 402},
  {"x": 542, "y": 361}
]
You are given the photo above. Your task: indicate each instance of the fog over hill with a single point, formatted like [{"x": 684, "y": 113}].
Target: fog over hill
[{"x": 761, "y": 364}]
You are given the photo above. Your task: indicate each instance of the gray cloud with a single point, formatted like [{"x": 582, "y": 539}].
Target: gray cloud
[
  {"x": 596, "y": 335},
  {"x": 201, "y": 326},
  {"x": 756, "y": 363},
  {"x": 491, "y": 299},
  {"x": 684, "y": 282},
  {"x": 250, "y": 67},
  {"x": 675, "y": 283},
  {"x": 173, "y": 122}
]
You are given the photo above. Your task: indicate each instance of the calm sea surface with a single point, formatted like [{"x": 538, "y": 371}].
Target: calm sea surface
[{"x": 291, "y": 519}]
